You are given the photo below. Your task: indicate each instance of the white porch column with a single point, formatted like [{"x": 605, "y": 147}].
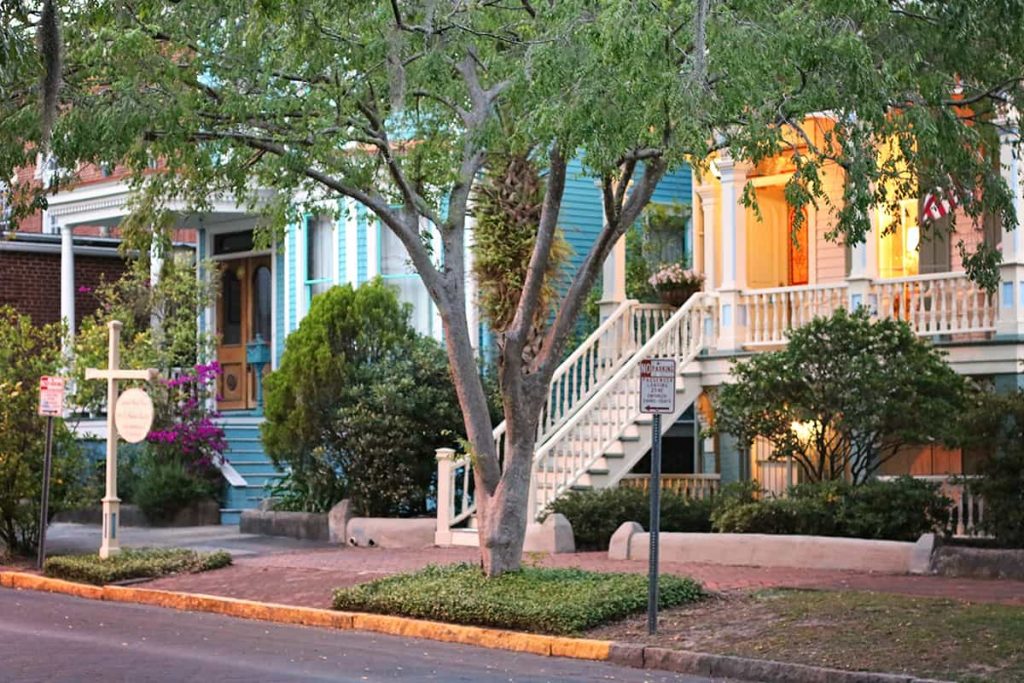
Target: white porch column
[
  {"x": 707, "y": 235},
  {"x": 156, "y": 266},
  {"x": 67, "y": 277},
  {"x": 864, "y": 269},
  {"x": 1010, "y": 322},
  {"x": 732, "y": 316},
  {"x": 613, "y": 279}
]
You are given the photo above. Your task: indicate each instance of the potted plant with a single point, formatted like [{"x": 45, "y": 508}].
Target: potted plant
[{"x": 675, "y": 284}]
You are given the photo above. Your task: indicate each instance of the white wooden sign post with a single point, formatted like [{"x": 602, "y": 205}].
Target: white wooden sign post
[
  {"x": 136, "y": 424},
  {"x": 657, "y": 396}
]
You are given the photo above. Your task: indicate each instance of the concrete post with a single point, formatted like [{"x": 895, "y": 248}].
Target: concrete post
[{"x": 445, "y": 496}]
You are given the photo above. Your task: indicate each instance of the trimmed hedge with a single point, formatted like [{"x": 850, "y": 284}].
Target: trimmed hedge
[
  {"x": 143, "y": 563},
  {"x": 595, "y": 515},
  {"x": 557, "y": 601},
  {"x": 898, "y": 510}
]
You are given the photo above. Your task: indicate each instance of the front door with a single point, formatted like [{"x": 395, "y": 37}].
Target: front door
[{"x": 243, "y": 312}]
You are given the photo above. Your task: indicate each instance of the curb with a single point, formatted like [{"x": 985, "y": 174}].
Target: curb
[{"x": 623, "y": 654}]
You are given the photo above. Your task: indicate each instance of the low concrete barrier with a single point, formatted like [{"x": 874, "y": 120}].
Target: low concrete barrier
[
  {"x": 303, "y": 525},
  {"x": 765, "y": 550},
  {"x": 385, "y": 532}
]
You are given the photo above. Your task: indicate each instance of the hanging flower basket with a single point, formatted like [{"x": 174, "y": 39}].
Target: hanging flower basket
[{"x": 675, "y": 285}]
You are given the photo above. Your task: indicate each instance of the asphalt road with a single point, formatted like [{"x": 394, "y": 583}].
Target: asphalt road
[{"x": 57, "y": 638}]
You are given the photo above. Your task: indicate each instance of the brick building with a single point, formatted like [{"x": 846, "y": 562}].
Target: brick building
[{"x": 33, "y": 255}]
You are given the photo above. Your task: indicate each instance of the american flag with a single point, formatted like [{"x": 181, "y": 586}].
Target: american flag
[{"x": 938, "y": 203}]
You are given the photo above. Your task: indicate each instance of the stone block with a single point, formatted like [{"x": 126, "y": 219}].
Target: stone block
[
  {"x": 553, "y": 536},
  {"x": 337, "y": 521},
  {"x": 921, "y": 554},
  {"x": 619, "y": 546}
]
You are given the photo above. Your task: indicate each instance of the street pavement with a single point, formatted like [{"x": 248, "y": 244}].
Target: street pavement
[{"x": 58, "y": 638}]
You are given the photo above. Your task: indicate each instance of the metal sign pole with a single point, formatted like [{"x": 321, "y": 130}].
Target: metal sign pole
[
  {"x": 44, "y": 508},
  {"x": 655, "y": 526}
]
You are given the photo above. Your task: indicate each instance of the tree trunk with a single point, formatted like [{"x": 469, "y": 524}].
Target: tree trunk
[{"x": 504, "y": 514}]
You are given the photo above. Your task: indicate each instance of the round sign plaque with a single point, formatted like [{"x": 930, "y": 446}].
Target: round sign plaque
[{"x": 133, "y": 415}]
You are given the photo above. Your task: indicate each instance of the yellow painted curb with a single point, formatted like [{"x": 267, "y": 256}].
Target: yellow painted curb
[{"x": 573, "y": 648}]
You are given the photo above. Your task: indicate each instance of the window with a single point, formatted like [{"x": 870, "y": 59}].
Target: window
[
  {"x": 319, "y": 269},
  {"x": 397, "y": 271}
]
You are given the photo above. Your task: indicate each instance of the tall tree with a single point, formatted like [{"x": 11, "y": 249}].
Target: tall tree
[{"x": 399, "y": 105}]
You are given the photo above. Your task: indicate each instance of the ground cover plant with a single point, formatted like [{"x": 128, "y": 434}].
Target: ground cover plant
[
  {"x": 558, "y": 601},
  {"x": 142, "y": 563},
  {"x": 921, "y": 636}
]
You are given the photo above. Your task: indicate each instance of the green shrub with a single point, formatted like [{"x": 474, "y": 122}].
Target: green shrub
[
  {"x": 994, "y": 429},
  {"x": 860, "y": 388},
  {"x": 595, "y": 515},
  {"x": 26, "y": 353},
  {"x": 143, "y": 563},
  {"x": 556, "y": 601},
  {"x": 163, "y": 487},
  {"x": 359, "y": 404},
  {"x": 778, "y": 516},
  {"x": 899, "y": 510}
]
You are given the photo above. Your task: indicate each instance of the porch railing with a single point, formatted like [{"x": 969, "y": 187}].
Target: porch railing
[
  {"x": 939, "y": 304},
  {"x": 933, "y": 305},
  {"x": 694, "y": 486},
  {"x": 770, "y": 313}
]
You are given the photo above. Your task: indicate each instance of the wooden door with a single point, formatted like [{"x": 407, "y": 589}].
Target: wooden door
[
  {"x": 766, "y": 240},
  {"x": 799, "y": 249},
  {"x": 243, "y": 310}
]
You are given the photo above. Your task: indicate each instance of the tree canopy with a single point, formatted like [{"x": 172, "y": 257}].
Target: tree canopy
[{"x": 400, "y": 104}]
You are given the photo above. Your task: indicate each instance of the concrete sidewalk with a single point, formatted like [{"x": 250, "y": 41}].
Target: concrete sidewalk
[{"x": 66, "y": 538}]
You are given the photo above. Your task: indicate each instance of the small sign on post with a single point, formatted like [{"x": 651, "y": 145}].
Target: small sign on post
[
  {"x": 657, "y": 397},
  {"x": 51, "y": 405},
  {"x": 51, "y": 396}
]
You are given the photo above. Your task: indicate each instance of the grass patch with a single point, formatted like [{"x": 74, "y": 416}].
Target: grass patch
[
  {"x": 142, "y": 563},
  {"x": 558, "y": 601},
  {"x": 860, "y": 631}
]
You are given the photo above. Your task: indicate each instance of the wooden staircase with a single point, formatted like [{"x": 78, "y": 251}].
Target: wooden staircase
[{"x": 602, "y": 435}]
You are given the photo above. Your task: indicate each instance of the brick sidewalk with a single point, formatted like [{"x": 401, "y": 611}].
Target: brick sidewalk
[{"x": 308, "y": 578}]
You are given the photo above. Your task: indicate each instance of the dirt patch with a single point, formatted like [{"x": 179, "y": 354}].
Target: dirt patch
[{"x": 928, "y": 637}]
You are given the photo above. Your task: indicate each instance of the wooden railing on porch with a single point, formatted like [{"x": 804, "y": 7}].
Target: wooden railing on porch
[{"x": 698, "y": 486}]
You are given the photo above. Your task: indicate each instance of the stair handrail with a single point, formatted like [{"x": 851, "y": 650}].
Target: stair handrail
[
  {"x": 547, "y": 424},
  {"x": 689, "y": 343}
]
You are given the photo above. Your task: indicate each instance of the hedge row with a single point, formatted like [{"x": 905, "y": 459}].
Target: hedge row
[{"x": 898, "y": 510}]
